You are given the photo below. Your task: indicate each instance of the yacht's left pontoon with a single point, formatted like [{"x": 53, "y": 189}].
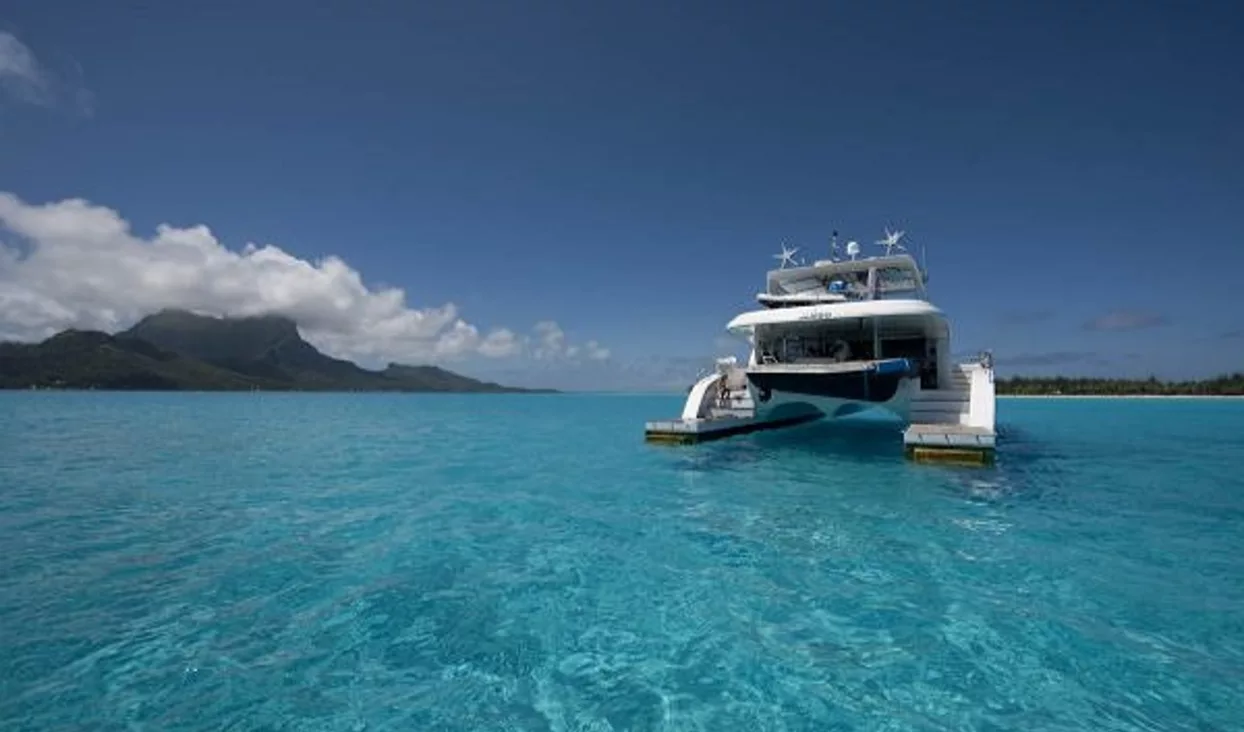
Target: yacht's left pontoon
[{"x": 718, "y": 405}]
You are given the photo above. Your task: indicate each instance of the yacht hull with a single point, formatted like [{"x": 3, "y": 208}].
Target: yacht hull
[{"x": 834, "y": 393}]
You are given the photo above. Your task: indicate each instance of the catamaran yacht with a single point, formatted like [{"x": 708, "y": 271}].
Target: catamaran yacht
[{"x": 841, "y": 336}]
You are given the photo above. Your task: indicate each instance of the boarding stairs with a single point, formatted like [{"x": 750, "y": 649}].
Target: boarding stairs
[
  {"x": 955, "y": 422},
  {"x": 730, "y": 396},
  {"x": 950, "y": 404}
]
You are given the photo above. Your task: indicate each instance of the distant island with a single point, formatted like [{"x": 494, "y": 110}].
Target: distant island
[
  {"x": 1227, "y": 385},
  {"x": 175, "y": 350}
]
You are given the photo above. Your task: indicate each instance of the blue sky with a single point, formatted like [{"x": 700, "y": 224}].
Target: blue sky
[{"x": 1074, "y": 170}]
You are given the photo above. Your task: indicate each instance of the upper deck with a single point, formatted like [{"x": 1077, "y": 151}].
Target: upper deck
[{"x": 865, "y": 278}]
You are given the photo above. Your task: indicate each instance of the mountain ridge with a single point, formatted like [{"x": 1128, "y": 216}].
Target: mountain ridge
[{"x": 179, "y": 350}]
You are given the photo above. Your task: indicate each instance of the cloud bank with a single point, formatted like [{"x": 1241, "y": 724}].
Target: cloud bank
[
  {"x": 73, "y": 264},
  {"x": 26, "y": 80}
]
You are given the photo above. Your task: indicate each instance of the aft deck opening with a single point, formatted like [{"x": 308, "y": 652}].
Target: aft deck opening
[{"x": 858, "y": 341}]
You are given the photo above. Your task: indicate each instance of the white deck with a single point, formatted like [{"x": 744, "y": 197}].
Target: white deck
[
  {"x": 700, "y": 426},
  {"x": 949, "y": 435},
  {"x": 721, "y": 424},
  {"x": 806, "y": 315}
]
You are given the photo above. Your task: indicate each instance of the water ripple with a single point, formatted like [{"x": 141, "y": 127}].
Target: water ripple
[{"x": 196, "y": 562}]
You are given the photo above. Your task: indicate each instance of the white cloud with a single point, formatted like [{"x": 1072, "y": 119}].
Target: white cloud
[
  {"x": 27, "y": 80},
  {"x": 550, "y": 341},
  {"x": 501, "y": 343},
  {"x": 80, "y": 266},
  {"x": 20, "y": 72},
  {"x": 549, "y": 344},
  {"x": 595, "y": 351}
]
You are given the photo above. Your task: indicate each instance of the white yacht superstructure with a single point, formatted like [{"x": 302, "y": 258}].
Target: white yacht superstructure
[{"x": 844, "y": 335}]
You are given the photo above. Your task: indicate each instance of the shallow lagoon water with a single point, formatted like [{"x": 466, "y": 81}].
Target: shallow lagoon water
[{"x": 373, "y": 562}]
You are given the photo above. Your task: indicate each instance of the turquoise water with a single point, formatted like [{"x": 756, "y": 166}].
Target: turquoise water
[{"x": 333, "y": 562}]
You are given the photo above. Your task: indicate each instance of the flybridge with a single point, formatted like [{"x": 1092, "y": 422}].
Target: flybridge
[{"x": 837, "y": 279}]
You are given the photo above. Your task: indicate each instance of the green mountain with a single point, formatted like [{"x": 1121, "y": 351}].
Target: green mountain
[
  {"x": 78, "y": 359},
  {"x": 266, "y": 347},
  {"x": 177, "y": 350}
]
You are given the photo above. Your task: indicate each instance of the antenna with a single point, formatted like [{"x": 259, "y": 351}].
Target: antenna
[
  {"x": 890, "y": 242},
  {"x": 853, "y": 249},
  {"x": 787, "y": 257},
  {"x": 833, "y": 247}
]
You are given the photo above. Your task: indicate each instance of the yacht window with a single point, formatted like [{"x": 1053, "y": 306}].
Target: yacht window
[{"x": 895, "y": 280}]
